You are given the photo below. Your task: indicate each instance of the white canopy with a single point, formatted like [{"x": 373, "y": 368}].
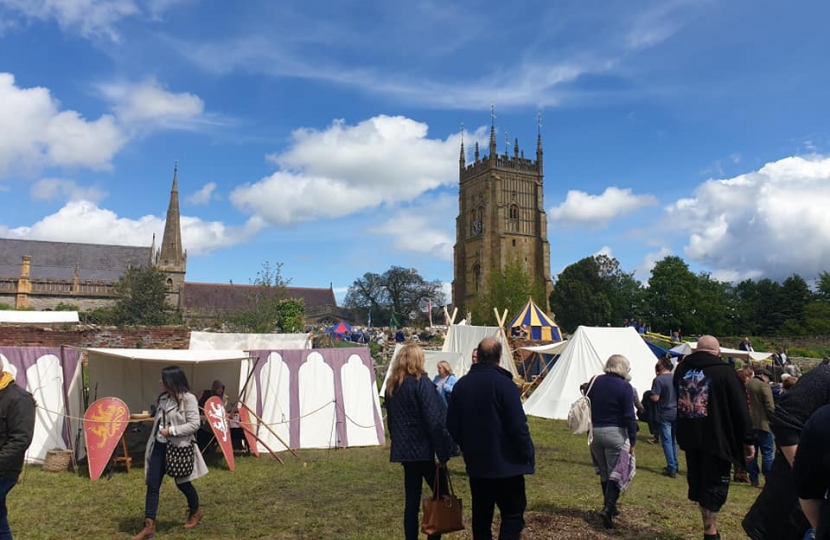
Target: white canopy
[
  {"x": 133, "y": 374},
  {"x": 459, "y": 363},
  {"x": 691, "y": 346},
  {"x": 248, "y": 342},
  {"x": 552, "y": 348},
  {"x": 583, "y": 357},
  {"x": 38, "y": 317},
  {"x": 462, "y": 338}
]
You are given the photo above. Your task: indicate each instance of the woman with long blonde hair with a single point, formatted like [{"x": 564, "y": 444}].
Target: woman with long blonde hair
[{"x": 416, "y": 417}]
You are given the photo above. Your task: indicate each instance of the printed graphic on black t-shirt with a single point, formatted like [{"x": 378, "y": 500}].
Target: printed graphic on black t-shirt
[{"x": 693, "y": 395}]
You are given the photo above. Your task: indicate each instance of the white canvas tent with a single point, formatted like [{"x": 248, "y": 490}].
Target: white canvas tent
[
  {"x": 691, "y": 346},
  {"x": 133, "y": 374},
  {"x": 202, "y": 341},
  {"x": 462, "y": 338},
  {"x": 583, "y": 357},
  {"x": 53, "y": 376},
  {"x": 459, "y": 363},
  {"x": 38, "y": 317}
]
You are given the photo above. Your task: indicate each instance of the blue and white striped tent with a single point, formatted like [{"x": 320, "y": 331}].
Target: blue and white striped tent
[{"x": 537, "y": 323}]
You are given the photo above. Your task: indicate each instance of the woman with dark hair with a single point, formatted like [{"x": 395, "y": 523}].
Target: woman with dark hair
[
  {"x": 176, "y": 423},
  {"x": 416, "y": 416}
]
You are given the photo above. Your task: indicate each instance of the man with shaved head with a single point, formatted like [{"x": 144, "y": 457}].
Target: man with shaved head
[
  {"x": 713, "y": 427},
  {"x": 486, "y": 419}
]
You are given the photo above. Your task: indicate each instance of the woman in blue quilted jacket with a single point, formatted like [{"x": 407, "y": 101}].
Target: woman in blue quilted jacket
[{"x": 416, "y": 416}]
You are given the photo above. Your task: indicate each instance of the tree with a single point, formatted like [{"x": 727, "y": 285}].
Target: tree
[
  {"x": 672, "y": 297},
  {"x": 268, "y": 309},
  {"x": 142, "y": 298},
  {"x": 508, "y": 288},
  {"x": 624, "y": 293},
  {"x": 580, "y": 296},
  {"x": 395, "y": 293}
]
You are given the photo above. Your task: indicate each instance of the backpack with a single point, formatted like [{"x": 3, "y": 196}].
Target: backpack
[{"x": 579, "y": 415}]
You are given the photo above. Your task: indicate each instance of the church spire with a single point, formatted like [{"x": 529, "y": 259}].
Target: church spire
[
  {"x": 171, "y": 245},
  {"x": 462, "y": 158}
]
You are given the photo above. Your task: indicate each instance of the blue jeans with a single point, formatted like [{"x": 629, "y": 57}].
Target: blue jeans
[
  {"x": 155, "y": 474},
  {"x": 6, "y": 485},
  {"x": 763, "y": 446},
  {"x": 668, "y": 432}
]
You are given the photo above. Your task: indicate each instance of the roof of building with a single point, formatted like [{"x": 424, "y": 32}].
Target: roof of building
[
  {"x": 57, "y": 260},
  {"x": 230, "y": 297}
]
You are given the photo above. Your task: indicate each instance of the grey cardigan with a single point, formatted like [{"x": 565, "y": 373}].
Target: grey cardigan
[{"x": 183, "y": 422}]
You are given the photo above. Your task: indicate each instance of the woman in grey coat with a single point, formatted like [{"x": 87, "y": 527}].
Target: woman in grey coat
[{"x": 176, "y": 423}]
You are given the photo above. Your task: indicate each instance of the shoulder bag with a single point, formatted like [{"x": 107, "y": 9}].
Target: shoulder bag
[
  {"x": 442, "y": 514},
  {"x": 579, "y": 415}
]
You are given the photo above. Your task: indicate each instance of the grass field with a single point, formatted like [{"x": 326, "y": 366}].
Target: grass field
[{"x": 358, "y": 494}]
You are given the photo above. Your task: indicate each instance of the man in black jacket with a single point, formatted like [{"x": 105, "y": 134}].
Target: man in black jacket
[
  {"x": 713, "y": 427},
  {"x": 17, "y": 425},
  {"x": 486, "y": 419}
]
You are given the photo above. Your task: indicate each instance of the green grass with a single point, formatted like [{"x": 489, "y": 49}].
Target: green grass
[{"x": 358, "y": 494}]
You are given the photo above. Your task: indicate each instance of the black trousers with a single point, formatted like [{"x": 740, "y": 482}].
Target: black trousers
[
  {"x": 414, "y": 474},
  {"x": 506, "y": 493},
  {"x": 155, "y": 475}
]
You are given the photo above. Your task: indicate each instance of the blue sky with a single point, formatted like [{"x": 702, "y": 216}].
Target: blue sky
[{"x": 324, "y": 135}]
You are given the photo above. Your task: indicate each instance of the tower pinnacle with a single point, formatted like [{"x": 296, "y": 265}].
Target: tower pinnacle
[{"x": 172, "y": 254}]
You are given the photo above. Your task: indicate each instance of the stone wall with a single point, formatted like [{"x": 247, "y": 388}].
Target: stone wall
[{"x": 165, "y": 337}]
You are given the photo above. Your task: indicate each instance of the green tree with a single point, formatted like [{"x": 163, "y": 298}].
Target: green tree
[
  {"x": 625, "y": 294},
  {"x": 66, "y": 307},
  {"x": 580, "y": 296},
  {"x": 508, "y": 288},
  {"x": 395, "y": 294},
  {"x": 142, "y": 298},
  {"x": 823, "y": 287},
  {"x": 268, "y": 308},
  {"x": 672, "y": 297}
]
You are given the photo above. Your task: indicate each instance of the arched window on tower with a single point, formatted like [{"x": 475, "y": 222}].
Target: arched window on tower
[
  {"x": 473, "y": 222},
  {"x": 513, "y": 217},
  {"x": 480, "y": 219},
  {"x": 477, "y": 277},
  {"x": 169, "y": 284}
]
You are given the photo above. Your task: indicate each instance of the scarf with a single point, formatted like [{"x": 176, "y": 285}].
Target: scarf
[{"x": 6, "y": 379}]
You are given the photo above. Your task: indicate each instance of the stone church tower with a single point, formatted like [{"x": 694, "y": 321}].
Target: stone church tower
[
  {"x": 501, "y": 217},
  {"x": 171, "y": 258}
]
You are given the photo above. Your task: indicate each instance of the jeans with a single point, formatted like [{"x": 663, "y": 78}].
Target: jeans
[
  {"x": 6, "y": 485},
  {"x": 763, "y": 446},
  {"x": 506, "y": 493},
  {"x": 414, "y": 474},
  {"x": 155, "y": 475},
  {"x": 668, "y": 432}
]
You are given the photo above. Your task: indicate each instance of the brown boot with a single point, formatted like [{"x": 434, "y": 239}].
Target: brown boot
[
  {"x": 148, "y": 531},
  {"x": 193, "y": 518}
]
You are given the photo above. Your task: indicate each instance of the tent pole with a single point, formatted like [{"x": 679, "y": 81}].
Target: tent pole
[
  {"x": 262, "y": 423},
  {"x": 241, "y": 396}
]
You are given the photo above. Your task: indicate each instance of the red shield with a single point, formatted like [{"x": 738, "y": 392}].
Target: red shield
[
  {"x": 248, "y": 430},
  {"x": 104, "y": 424},
  {"x": 217, "y": 417}
]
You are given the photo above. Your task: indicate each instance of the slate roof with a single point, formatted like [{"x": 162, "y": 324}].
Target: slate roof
[
  {"x": 220, "y": 296},
  {"x": 57, "y": 260}
]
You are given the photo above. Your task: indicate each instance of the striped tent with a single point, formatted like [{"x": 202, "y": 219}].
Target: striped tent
[{"x": 537, "y": 323}]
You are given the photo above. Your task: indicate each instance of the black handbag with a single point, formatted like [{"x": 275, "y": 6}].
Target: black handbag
[{"x": 179, "y": 460}]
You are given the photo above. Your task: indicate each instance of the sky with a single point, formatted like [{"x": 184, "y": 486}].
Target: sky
[{"x": 324, "y": 135}]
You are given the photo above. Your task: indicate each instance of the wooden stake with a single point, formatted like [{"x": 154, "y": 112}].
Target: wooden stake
[{"x": 274, "y": 433}]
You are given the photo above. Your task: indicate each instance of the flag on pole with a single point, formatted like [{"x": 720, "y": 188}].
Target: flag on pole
[{"x": 429, "y": 311}]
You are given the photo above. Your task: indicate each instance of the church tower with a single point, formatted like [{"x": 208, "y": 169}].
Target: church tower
[
  {"x": 501, "y": 217},
  {"x": 172, "y": 259}
]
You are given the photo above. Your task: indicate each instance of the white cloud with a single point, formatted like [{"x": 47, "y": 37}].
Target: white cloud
[
  {"x": 349, "y": 168},
  {"x": 767, "y": 223},
  {"x": 605, "y": 250},
  {"x": 51, "y": 188},
  {"x": 36, "y": 132},
  {"x": 204, "y": 195},
  {"x": 149, "y": 104},
  {"x": 643, "y": 270},
  {"x": 424, "y": 227},
  {"x": 84, "y": 221},
  {"x": 580, "y": 208},
  {"x": 92, "y": 18}
]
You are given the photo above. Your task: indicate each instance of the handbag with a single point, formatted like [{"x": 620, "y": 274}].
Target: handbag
[
  {"x": 441, "y": 514},
  {"x": 579, "y": 415},
  {"x": 179, "y": 460}
]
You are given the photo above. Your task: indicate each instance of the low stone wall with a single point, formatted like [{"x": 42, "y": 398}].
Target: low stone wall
[{"x": 164, "y": 337}]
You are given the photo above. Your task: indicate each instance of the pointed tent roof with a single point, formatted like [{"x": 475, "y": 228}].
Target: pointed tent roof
[
  {"x": 341, "y": 328},
  {"x": 583, "y": 357},
  {"x": 542, "y": 327}
]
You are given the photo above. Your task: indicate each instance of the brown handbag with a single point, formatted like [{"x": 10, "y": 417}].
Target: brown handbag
[{"x": 442, "y": 514}]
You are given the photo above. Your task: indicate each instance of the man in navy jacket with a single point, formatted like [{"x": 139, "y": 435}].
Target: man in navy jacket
[{"x": 486, "y": 419}]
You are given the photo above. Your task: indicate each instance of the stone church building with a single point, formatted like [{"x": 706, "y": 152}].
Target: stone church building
[
  {"x": 501, "y": 217},
  {"x": 39, "y": 275}
]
